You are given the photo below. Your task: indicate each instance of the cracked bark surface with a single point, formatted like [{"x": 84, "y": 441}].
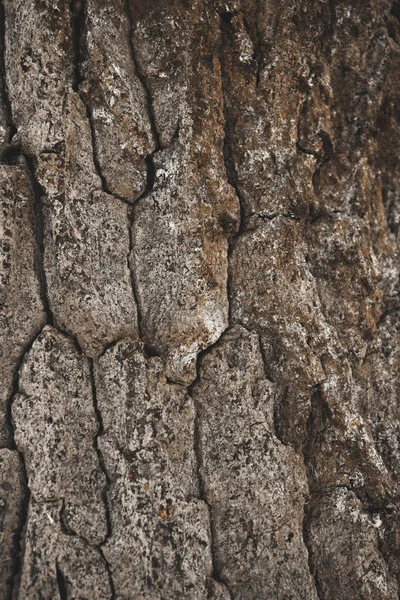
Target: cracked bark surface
[{"x": 199, "y": 299}]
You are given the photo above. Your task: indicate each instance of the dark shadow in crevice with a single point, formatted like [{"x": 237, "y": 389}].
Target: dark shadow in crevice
[
  {"x": 78, "y": 10},
  {"x": 39, "y": 228},
  {"x": 142, "y": 79},
  {"x": 395, "y": 11},
  {"x": 4, "y": 93},
  {"x": 62, "y": 584},
  {"x": 199, "y": 465}
]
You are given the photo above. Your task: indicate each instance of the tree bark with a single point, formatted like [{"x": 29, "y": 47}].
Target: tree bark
[{"x": 199, "y": 299}]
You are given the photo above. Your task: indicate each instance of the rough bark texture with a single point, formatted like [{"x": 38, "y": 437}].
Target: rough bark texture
[{"x": 199, "y": 299}]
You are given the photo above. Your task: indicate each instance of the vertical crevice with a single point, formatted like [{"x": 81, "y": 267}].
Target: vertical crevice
[
  {"x": 307, "y": 451},
  {"x": 4, "y": 94},
  {"x": 38, "y": 225},
  {"x": 39, "y": 230},
  {"x": 109, "y": 572},
  {"x": 258, "y": 45},
  {"x": 332, "y": 15},
  {"x": 62, "y": 584},
  {"x": 149, "y": 160},
  {"x": 230, "y": 168},
  {"x": 78, "y": 9},
  {"x": 308, "y": 545},
  {"x": 198, "y": 450},
  {"x": 19, "y": 535},
  {"x": 132, "y": 274},
  {"x": 279, "y": 399},
  {"x": 131, "y": 217},
  {"x": 151, "y": 170},
  {"x": 100, "y": 431},
  {"x": 142, "y": 79},
  {"x": 256, "y": 42}
]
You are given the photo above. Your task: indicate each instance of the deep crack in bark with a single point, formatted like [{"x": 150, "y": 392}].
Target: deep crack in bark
[
  {"x": 142, "y": 79},
  {"x": 79, "y": 37},
  {"x": 230, "y": 169},
  {"x": 80, "y": 52},
  {"x": 131, "y": 219},
  {"x": 199, "y": 465},
  {"x": 78, "y": 20},
  {"x": 19, "y": 534},
  {"x": 4, "y": 95},
  {"x": 39, "y": 228},
  {"x": 62, "y": 584},
  {"x": 100, "y": 432},
  {"x": 150, "y": 180}
]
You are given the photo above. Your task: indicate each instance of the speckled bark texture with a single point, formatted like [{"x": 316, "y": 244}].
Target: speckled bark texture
[{"x": 199, "y": 300}]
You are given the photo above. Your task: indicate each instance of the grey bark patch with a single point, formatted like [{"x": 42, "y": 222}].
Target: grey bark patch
[
  {"x": 21, "y": 304},
  {"x": 345, "y": 549},
  {"x": 180, "y": 230},
  {"x": 38, "y": 68},
  {"x": 55, "y": 424},
  {"x": 12, "y": 501},
  {"x": 116, "y": 100},
  {"x": 87, "y": 241},
  {"x": 255, "y": 486},
  {"x": 144, "y": 124},
  {"x": 159, "y": 545},
  {"x": 49, "y": 552},
  {"x": 180, "y": 263}
]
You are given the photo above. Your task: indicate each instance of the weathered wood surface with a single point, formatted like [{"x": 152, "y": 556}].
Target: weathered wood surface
[{"x": 199, "y": 299}]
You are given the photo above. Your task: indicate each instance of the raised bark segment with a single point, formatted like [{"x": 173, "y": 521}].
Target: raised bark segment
[
  {"x": 342, "y": 260},
  {"x": 21, "y": 305},
  {"x": 57, "y": 565},
  {"x": 339, "y": 260},
  {"x": 139, "y": 486},
  {"x": 345, "y": 549},
  {"x": 282, "y": 304},
  {"x": 274, "y": 293},
  {"x": 265, "y": 60},
  {"x": 87, "y": 242},
  {"x": 160, "y": 540},
  {"x": 380, "y": 374},
  {"x": 341, "y": 449},
  {"x": 39, "y": 51},
  {"x": 380, "y": 377},
  {"x": 5, "y": 129},
  {"x": 116, "y": 99},
  {"x": 85, "y": 230},
  {"x": 55, "y": 425},
  {"x": 4, "y": 135},
  {"x": 180, "y": 229},
  {"x": 255, "y": 485},
  {"x": 12, "y": 500}
]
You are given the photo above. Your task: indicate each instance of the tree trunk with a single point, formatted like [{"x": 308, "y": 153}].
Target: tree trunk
[{"x": 199, "y": 289}]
